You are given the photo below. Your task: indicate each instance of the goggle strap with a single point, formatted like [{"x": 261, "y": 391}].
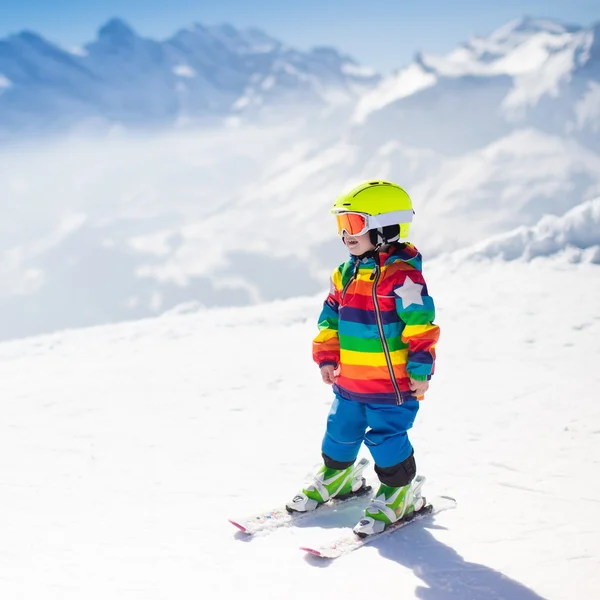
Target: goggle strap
[{"x": 392, "y": 218}]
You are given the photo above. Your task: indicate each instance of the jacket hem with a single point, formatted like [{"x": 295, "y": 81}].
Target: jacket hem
[{"x": 383, "y": 398}]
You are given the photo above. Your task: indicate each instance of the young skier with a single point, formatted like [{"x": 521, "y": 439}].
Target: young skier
[{"x": 376, "y": 346}]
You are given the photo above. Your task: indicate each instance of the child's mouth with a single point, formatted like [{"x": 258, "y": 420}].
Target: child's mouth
[{"x": 351, "y": 243}]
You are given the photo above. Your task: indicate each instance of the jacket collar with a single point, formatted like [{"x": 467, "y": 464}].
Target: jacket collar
[{"x": 393, "y": 253}]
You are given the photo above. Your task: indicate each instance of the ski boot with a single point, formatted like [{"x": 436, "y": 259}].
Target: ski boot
[
  {"x": 391, "y": 504},
  {"x": 331, "y": 483}
]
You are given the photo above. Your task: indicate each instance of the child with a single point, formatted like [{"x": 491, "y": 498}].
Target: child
[{"x": 376, "y": 346}]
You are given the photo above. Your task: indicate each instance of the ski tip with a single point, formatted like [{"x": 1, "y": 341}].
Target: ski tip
[
  {"x": 311, "y": 551},
  {"x": 240, "y": 527}
]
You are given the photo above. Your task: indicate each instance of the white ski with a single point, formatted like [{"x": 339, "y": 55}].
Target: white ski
[
  {"x": 281, "y": 517},
  {"x": 349, "y": 542}
]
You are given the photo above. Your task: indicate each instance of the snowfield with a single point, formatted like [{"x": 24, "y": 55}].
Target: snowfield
[{"x": 125, "y": 448}]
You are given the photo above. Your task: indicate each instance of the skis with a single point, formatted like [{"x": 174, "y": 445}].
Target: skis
[
  {"x": 281, "y": 517},
  {"x": 348, "y": 542}
]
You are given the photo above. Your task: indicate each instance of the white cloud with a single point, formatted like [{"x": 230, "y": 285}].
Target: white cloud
[
  {"x": 184, "y": 71},
  {"x": 5, "y": 83}
]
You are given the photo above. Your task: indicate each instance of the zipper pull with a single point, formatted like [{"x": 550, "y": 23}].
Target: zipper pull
[{"x": 373, "y": 273}]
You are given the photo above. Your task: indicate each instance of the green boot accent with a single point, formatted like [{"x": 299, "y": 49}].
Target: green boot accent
[
  {"x": 390, "y": 504},
  {"x": 329, "y": 483}
]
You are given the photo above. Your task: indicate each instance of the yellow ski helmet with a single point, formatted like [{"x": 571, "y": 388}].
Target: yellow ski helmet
[{"x": 383, "y": 204}]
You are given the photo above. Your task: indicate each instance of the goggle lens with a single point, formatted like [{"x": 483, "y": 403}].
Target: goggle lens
[{"x": 351, "y": 223}]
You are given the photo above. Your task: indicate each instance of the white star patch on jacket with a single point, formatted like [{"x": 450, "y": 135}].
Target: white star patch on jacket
[{"x": 409, "y": 292}]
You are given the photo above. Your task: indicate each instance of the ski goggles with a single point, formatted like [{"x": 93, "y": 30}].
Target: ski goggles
[{"x": 354, "y": 223}]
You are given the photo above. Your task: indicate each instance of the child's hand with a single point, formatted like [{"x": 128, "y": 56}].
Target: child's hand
[
  {"x": 419, "y": 387},
  {"x": 328, "y": 374}
]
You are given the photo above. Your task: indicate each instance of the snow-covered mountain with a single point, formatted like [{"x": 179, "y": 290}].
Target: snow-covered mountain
[
  {"x": 198, "y": 74},
  {"x": 528, "y": 73},
  {"x": 130, "y": 226},
  {"x": 117, "y": 442}
]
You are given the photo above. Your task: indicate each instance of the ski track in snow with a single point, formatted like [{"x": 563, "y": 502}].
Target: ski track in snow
[{"x": 125, "y": 448}]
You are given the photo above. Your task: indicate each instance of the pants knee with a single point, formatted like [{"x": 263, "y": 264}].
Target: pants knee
[{"x": 398, "y": 475}]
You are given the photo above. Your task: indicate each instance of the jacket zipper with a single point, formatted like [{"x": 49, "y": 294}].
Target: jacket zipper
[
  {"x": 354, "y": 274},
  {"x": 386, "y": 349}
]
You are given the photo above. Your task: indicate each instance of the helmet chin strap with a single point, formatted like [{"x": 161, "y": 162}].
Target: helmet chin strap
[
  {"x": 369, "y": 254},
  {"x": 378, "y": 242},
  {"x": 378, "y": 239}
]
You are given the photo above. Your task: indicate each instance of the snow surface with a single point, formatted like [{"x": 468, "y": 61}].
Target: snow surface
[
  {"x": 125, "y": 448},
  {"x": 574, "y": 236}
]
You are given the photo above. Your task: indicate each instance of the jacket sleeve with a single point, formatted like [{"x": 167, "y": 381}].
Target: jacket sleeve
[
  {"x": 416, "y": 309},
  {"x": 326, "y": 346}
]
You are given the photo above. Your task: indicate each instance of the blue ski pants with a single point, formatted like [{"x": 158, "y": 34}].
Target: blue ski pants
[{"x": 382, "y": 427}]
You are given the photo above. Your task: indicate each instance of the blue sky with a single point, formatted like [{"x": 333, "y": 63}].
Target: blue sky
[{"x": 384, "y": 34}]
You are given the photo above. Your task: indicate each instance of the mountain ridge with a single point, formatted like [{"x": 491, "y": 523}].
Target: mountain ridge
[
  {"x": 197, "y": 73},
  {"x": 527, "y": 73}
]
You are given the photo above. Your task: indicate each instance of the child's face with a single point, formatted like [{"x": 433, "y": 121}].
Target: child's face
[{"x": 358, "y": 244}]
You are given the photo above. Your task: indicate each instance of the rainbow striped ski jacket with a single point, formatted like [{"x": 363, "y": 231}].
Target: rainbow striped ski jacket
[{"x": 377, "y": 326}]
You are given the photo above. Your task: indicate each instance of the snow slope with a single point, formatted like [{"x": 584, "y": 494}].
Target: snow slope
[
  {"x": 123, "y": 450},
  {"x": 574, "y": 237}
]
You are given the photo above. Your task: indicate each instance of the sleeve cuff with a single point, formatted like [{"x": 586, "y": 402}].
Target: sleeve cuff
[
  {"x": 419, "y": 377},
  {"x": 328, "y": 362}
]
